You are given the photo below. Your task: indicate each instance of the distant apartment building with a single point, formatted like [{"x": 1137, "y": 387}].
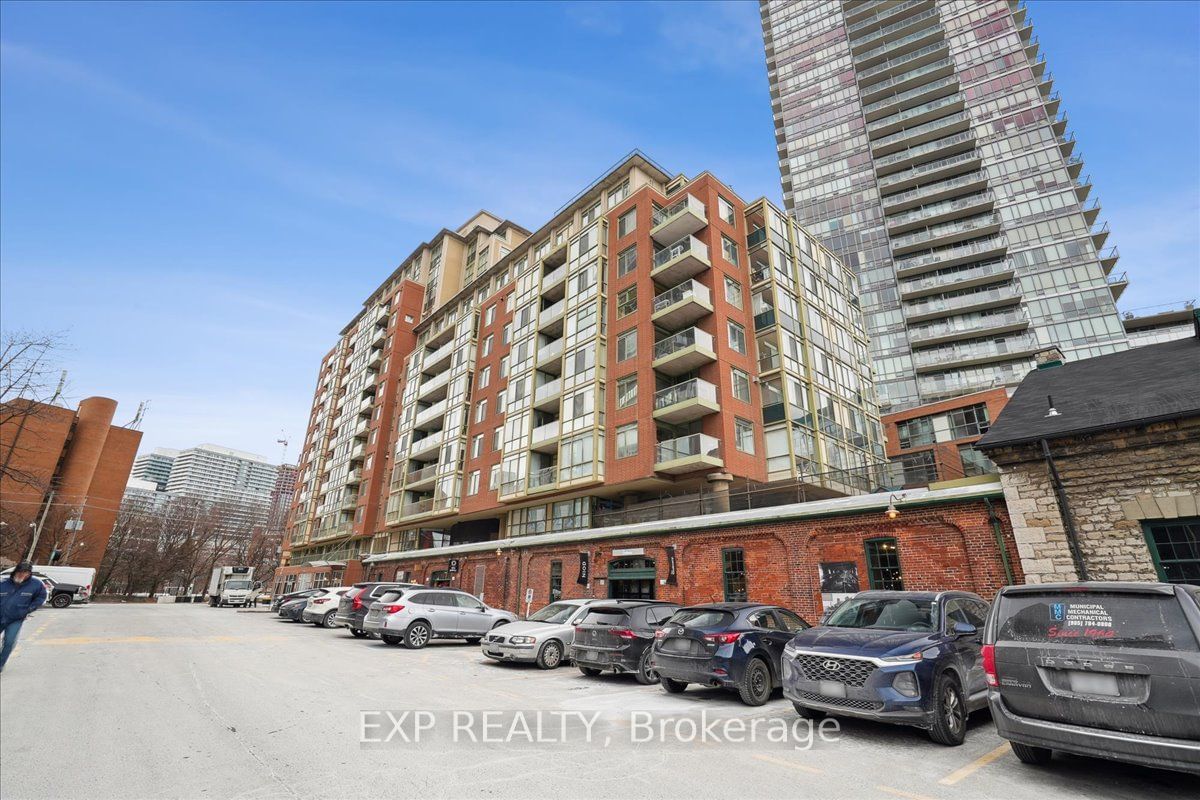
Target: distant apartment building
[
  {"x": 282, "y": 496},
  {"x": 935, "y": 442},
  {"x": 217, "y": 474},
  {"x": 155, "y": 466},
  {"x": 923, "y": 143},
  {"x": 657, "y": 336},
  {"x": 64, "y": 474},
  {"x": 1161, "y": 324}
]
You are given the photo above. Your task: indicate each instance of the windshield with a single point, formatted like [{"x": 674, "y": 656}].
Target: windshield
[
  {"x": 606, "y": 616},
  {"x": 886, "y": 613},
  {"x": 237, "y": 584},
  {"x": 554, "y": 613},
  {"x": 702, "y": 618}
]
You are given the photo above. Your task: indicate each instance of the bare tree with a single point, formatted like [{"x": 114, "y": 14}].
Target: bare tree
[{"x": 29, "y": 381}]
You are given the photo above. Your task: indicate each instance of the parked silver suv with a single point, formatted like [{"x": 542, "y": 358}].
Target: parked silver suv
[{"x": 414, "y": 616}]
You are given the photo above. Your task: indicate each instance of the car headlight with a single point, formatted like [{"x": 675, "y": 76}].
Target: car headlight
[
  {"x": 522, "y": 640},
  {"x": 790, "y": 650},
  {"x": 903, "y": 659}
]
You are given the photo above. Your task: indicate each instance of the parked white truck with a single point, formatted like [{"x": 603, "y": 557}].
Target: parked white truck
[{"x": 231, "y": 586}]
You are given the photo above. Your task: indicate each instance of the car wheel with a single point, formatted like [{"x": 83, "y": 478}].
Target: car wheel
[
  {"x": 551, "y": 655},
  {"x": 1028, "y": 754},
  {"x": 327, "y": 621},
  {"x": 417, "y": 636},
  {"x": 673, "y": 686},
  {"x": 808, "y": 713},
  {"x": 60, "y": 600},
  {"x": 498, "y": 623},
  {"x": 389, "y": 639},
  {"x": 950, "y": 712},
  {"x": 357, "y": 633},
  {"x": 591, "y": 672},
  {"x": 645, "y": 675},
  {"x": 756, "y": 683}
]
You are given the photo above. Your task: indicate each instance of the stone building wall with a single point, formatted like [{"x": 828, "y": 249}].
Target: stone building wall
[{"x": 1114, "y": 481}]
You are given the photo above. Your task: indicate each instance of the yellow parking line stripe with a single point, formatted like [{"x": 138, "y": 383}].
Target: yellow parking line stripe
[
  {"x": 789, "y": 764},
  {"x": 898, "y": 793},
  {"x": 72, "y": 640},
  {"x": 979, "y": 763}
]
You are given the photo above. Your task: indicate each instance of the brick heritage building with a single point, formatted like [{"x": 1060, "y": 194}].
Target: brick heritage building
[
  {"x": 63, "y": 465},
  {"x": 1108, "y": 486}
]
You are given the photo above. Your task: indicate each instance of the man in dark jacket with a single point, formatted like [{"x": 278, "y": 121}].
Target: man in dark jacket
[{"x": 20, "y": 595}]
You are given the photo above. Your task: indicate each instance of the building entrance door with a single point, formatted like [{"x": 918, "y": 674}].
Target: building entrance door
[{"x": 631, "y": 578}]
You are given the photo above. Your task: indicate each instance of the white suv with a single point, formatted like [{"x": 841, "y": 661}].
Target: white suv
[
  {"x": 414, "y": 616},
  {"x": 321, "y": 608}
]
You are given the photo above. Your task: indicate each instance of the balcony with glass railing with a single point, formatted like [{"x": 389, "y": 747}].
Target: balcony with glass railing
[
  {"x": 944, "y": 257},
  {"x": 925, "y": 175},
  {"x": 937, "y": 211},
  {"x": 897, "y": 47},
  {"x": 977, "y": 352},
  {"x": 422, "y": 477},
  {"x": 681, "y": 218},
  {"x": 554, "y": 283},
  {"x": 911, "y": 156},
  {"x": 902, "y": 81},
  {"x": 682, "y": 305},
  {"x": 887, "y": 11},
  {"x": 905, "y": 61},
  {"x": 917, "y": 114},
  {"x": 430, "y": 418},
  {"x": 688, "y": 454},
  {"x": 870, "y": 38},
  {"x": 953, "y": 384},
  {"x": 425, "y": 445},
  {"x": 914, "y": 135},
  {"x": 684, "y": 351},
  {"x": 971, "y": 300},
  {"x": 417, "y": 508},
  {"x": 544, "y": 437},
  {"x": 1109, "y": 258},
  {"x": 549, "y": 357},
  {"x": 547, "y": 395},
  {"x": 968, "y": 326},
  {"x": 888, "y": 105},
  {"x": 686, "y": 401},
  {"x": 543, "y": 479},
  {"x": 550, "y": 318},
  {"x": 684, "y": 259},
  {"x": 946, "y": 233},
  {"x": 978, "y": 274},
  {"x": 1117, "y": 284},
  {"x": 434, "y": 388},
  {"x": 438, "y": 360}
]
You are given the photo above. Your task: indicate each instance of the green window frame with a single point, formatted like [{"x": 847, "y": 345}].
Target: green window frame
[
  {"x": 883, "y": 564},
  {"x": 555, "y": 581},
  {"x": 733, "y": 574},
  {"x": 1174, "y": 546}
]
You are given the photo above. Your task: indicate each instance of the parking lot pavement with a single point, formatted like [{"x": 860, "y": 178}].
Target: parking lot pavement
[{"x": 190, "y": 701}]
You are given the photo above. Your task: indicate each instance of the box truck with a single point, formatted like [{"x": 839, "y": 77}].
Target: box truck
[{"x": 231, "y": 586}]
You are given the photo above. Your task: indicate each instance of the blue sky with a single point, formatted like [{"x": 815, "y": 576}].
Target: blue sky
[{"x": 201, "y": 195}]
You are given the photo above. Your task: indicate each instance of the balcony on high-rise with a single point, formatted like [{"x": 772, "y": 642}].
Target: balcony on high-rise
[
  {"x": 421, "y": 477},
  {"x": 437, "y": 360},
  {"x": 697, "y": 451},
  {"x": 549, "y": 355},
  {"x": 977, "y": 299},
  {"x": 975, "y": 352},
  {"x": 684, "y": 259},
  {"x": 946, "y": 233},
  {"x": 681, "y": 218},
  {"x": 682, "y": 305},
  {"x": 434, "y": 388},
  {"x": 686, "y": 401},
  {"x": 864, "y": 37},
  {"x": 1117, "y": 284},
  {"x": 940, "y": 211},
  {"x": 684, "y": 351},
  {"x": 426, "y": 445},
  {"x": 968, "y": 326},
  {"x": 919, "y": 153},
  {"x": 884, "y": 90},
  {"x": 550, "y": 318},
  {"x": 544, "y": 437},
  {"x": 962, "y": 278},
  {"x": 916, "y": 95},
  {"x": 891, "y": 49},
  {"x": 554, "y": 283},
  {"x": 930, "y": 179},
  {"x": 944, "y": 257},
  {"x": 430, "y": 417},
  {"x": 547, "y": 392}
]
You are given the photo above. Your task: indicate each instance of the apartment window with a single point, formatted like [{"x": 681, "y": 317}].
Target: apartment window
[
  {"x": 741, "y": 384},
  {"x": 627, "y": 345},
  {"x": 733, "y": 292},
  {"x": 733, "y": 572},
  {"x": 489, "y": 316},
  {"x": 725, "y": 209},
  {"x": 626, "y": 391},
  {"x": 627, "y": 222},
  {"x": 481, "y": 410},
  {"x": 494, "y": 477},
  {"x": 627, "y": 260},
  {"x": 626, "y": 302},
  {"x": 506, "y": 334},
  {"x": 1175, "y": 547},
  {"x": 970, "y": 421},
  {"x": 504, "y": 367},
  {"x": 473, "y": 482},
  {"x": 486, "y": 350},
  {"x": 495, "y": 439},
  {"x": 883, "y": 565},
  {"x": 917, "y": 469},
  {"x": 627, "y": 440},
  {"x": 730, "y": 250},
  {"x": 743, "y": 435},
  {"x": 975, "y": 462},
  {"x": 477, "y": 445},
  {"x": 914, "y": 432},
  {"x": 619, "y": 193},
  {"x": 590, "y": 216},
  {"x": 737, "y": 337},
  {"x": 555, "y": 581},
  {"x": 485, "y": 377}
]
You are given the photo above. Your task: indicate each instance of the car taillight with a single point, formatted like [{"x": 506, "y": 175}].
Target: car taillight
[
  {"x": 989, "y": 664},
  {"x": 394, "y": 608},
  {"x": 660, "y": 634},
  {"x": 318, "y": 601},
  {"x": 623, "y": 633},
  {"x": 356, "y": 604},
  {"x": 723, "y": 638}
]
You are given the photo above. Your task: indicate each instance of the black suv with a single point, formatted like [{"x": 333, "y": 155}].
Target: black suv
[
  {"x": 735, "y": 646},
  {"x": 616, "y": 636},
  {"x": 1110, "y": 670},
  {"x": 352, "y": 608}
]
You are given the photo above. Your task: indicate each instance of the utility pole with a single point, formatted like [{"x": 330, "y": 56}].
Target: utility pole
[
  {"x": 37, "y": 532},
  {"x": 76, "y": 524}
]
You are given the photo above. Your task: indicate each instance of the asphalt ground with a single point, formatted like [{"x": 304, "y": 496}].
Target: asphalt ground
[{"x": 187, "y": 701}]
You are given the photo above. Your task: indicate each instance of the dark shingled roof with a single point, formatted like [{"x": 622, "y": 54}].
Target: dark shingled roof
[{"x": 1135, "y": 386}]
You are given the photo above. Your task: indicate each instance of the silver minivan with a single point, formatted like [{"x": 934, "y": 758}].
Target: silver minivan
[{"x": 414, "y": 616}]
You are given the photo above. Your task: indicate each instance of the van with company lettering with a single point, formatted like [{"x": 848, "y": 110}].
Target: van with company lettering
[{"x": 1103, "y": 669}]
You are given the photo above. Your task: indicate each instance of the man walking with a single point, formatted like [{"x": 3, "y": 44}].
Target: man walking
[{"x": 20, "y": 595}]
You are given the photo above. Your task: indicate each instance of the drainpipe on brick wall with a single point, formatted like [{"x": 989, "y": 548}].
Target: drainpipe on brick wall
[
  {"x": 992, "y": 518},
  {"x": 1064, "y": 509}
]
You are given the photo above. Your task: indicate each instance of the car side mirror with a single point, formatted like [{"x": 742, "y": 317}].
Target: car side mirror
[
  {"x": 482, "y": 607},
  {"x": 965, "y": 629}
]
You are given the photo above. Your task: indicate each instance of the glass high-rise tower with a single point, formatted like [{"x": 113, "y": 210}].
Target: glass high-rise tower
[{"x": 922, "y": 142}]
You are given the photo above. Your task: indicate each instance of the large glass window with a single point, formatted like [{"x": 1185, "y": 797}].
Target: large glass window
[
  {"x": 743, "y": 435},
  {"x": 627, "y": 222},
  {"x": 627, "y": 345},
  {"x": 914, "y": 432},
  {"x": 627, "y": 440},
  {"x": 729, "y": 249},
  {"x": 733, "y": 292},
  {"x": 627, "y": 260},
  {"x": 971, "y": 421},
  {"x": 626, "y": 391},
  {"x": 1175, "y": 547},
  {"x": 883, "y": 565},
  {"x": 741, "y": 384},
  {"x": 733, "y": 570},
  {"x": 737, "y": 337},
  {"x": 626, "y": 302}
]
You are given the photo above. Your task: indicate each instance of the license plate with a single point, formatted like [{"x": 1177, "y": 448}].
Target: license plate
[
  {"x": 590, "y": 655},
  {"x": 832, "y": 689},
  {"x": 1100, "y": 683}
]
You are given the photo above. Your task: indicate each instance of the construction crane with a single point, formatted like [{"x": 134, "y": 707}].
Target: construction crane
[{"x": 283, "y": 441}]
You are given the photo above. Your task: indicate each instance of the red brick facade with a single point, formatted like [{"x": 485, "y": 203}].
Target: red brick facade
[{"x": 945, "y": 454}]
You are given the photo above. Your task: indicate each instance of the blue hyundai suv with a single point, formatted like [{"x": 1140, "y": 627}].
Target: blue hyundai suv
[{"x": 908, "y": 658}]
